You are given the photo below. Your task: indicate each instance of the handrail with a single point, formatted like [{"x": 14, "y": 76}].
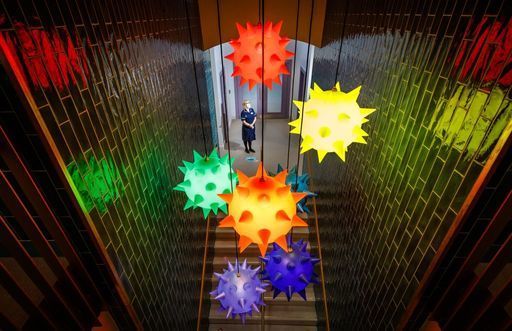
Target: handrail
[
  {"x": 501, "y": 147},
  {"x": 324, "y": 295},
  {"x": 30, "y": 106},
  {"x": 205, "y": 255}
]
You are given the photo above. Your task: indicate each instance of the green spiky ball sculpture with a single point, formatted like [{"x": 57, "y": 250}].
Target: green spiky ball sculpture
[{"x": 206, "y": 177}]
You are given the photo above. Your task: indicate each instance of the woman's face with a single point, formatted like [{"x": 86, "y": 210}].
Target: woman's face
[{"x": 248, "y": 105}]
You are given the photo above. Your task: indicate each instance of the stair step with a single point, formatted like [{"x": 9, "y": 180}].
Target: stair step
[
  {"x": 274, "y": 315},
  {"x": 220, "y": 262},
  {"x": 257, "y": 327},
  {"x": 296, "y": 315},
  {"x": 281, "y": 298},
  {"x": 228, "y": 233},
  {"x": 227, "y": 247}
]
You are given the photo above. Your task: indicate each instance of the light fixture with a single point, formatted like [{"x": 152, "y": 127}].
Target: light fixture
[
  {"x": 248, "y": 54},
  {"x": 204, "y": 179},
  {"x": 239, "y": 290},
  {"x": 262, "y": 209},
  {"x": 332, "y": 121},
  {"x": 290, "y": 271},
  {"x": 299, "y": 184}
]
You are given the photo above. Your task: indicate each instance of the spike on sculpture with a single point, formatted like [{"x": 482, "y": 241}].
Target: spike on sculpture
[
  {"x": 262, "y": 210},
  {"x": 332, "y": 121},
  {"x": 290, "y": 271},
  {"x": 239, "y": 290},
  {"x": 204, "y": 179},
  {"x": 258, "y": 60},
  {"x": 299, "y": 184}
]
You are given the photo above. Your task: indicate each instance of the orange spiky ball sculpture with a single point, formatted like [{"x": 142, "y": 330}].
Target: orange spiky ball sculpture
[
  {"x": 262, "y": 210},
  {"x": 248, "y": 54}
]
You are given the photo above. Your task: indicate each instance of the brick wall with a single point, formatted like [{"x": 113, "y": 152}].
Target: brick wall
[
  {"x": 438, "y": 74},
  {"x": 112, "y": 81}
]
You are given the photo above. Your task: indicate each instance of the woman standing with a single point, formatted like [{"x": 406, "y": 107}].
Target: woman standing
[{"x": 248, "y": 117}]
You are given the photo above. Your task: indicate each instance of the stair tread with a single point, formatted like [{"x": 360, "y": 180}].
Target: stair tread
[
  {"x": 257, "y": 327},
  {"x": 230, "y": 243},
  {"x": 281, "y": 298},
  {"x": 296, "y": 230},
  {"x": 274, "y": 314}
]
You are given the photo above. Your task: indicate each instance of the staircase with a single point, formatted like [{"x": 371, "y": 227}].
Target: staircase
[{"x": 278, "y": 314}]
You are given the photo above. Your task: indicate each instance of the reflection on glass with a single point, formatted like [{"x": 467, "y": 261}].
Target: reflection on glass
[{"x": 98, "y": 182}]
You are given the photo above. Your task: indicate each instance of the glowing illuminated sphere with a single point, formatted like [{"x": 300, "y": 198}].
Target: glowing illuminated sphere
[
  {"x": 204, "y": 179},
  {"x": 290, "y": 271},
  {"x": 332, "y": 121},
  {"x": 262, "y": 210},
  {"x": 239, "y": 290},
  {"x": 248, "y": 53},
  {"x": 299, "y": 184}
]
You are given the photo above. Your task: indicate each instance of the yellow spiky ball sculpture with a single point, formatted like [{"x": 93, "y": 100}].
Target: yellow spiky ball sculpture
[
  {"x": 262, "y": 210},
  {"x": 332, "y": 121}
]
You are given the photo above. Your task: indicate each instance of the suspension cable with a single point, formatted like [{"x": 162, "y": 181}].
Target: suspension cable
[
  {"x": 196, "y": 79},
  {"x": 226, "y": 122},
  {"x": 304, "y": 89},
  {"x": 293, "y": 84},
  {"x": 263, "y": 89},
  {"x": 341, "y": 43},
  {"x": 304, "y": 86}
]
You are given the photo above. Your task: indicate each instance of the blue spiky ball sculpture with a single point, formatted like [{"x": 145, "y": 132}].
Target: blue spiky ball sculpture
[
  {"x": 301, "y": 185},
  {"x": 239, "y": 290},
  {"x": 290, "y": 272}
]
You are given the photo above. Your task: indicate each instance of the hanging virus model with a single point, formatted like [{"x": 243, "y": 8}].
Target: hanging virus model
[
  {"x": 239, "y": 290},
  {"x": 290, "y": 271},
  {"x": 332, "y": 121},
  {"x": 204, "y": 179},
  {"x": 299, "y": 184},
  {"x": 262, "y": 210},
  {"x": 256, "y": 61}
]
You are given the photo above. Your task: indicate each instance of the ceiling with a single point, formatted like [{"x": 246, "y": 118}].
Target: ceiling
[{"x": 242, "y": 11}]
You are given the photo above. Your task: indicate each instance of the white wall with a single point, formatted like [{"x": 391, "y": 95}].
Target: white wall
[
  {"x": 300, "y": 61},
  {"x": 215, "y": 55}
]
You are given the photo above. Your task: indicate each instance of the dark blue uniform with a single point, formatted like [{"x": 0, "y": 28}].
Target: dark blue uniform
[{"x": 248, "y": 134}]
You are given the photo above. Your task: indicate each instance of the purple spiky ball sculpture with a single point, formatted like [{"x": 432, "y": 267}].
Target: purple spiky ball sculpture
[
  {"x": 239, "y": 290},
  {"x": 290, "y": 272}
]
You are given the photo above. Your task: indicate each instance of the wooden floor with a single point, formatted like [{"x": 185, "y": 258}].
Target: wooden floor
[{"x": 279, "y": 314}]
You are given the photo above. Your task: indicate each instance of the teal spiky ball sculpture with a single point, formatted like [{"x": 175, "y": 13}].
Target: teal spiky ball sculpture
[
  {"x": 299, "y": 184},
  {"x": 204, "y": 179}
]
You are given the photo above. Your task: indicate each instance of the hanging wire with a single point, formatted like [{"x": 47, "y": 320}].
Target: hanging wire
[
  {"x": 226, "y": 123},
  {"x": 293, "y": 83},
  {"x": 304, "y": 86},
  {"x": 263, "y": 88},
  {"x": 259, "y": 11},
  {"x": 196, "y": 79},
  {"x": 341, "y": 44},
  {"x": 304, "y": 89}
]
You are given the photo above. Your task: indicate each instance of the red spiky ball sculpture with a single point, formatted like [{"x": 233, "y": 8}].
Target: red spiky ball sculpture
[{"x": 248, "y": 54}]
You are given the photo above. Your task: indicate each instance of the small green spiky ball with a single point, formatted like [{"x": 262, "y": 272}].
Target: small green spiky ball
[{"x": 206, "y": 177}]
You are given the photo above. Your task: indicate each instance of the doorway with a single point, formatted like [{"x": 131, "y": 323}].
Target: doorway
[{"x": 277, "y": 99}]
